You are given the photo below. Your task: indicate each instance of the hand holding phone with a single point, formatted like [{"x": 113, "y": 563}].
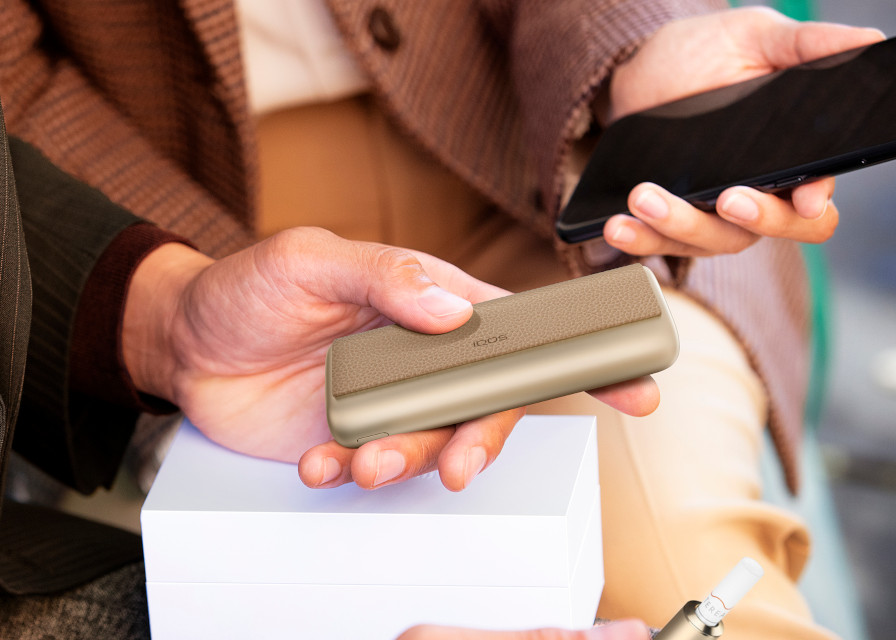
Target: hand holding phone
[{"x": 700, "y": 146}]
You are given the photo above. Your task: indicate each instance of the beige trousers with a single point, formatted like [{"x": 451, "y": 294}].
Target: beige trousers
[{"x": 679, "y": 488}]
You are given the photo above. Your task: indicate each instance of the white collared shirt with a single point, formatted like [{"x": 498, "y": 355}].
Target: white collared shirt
[{"x": 293, "y": 55}]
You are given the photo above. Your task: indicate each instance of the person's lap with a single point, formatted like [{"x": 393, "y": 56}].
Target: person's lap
[{"x": 680, "y": 491}]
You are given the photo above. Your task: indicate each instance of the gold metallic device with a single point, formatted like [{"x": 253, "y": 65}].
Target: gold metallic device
[{"x": 536, "y": 345}]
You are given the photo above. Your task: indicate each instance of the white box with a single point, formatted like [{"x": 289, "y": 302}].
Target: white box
[{"x": 238, "y": 547}]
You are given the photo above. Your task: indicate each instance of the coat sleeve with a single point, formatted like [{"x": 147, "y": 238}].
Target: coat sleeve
[
  {"x": 15, "y": 303},
  {"x": 125, "y": 97},
  {"x": 561, "y": 53},
  {"x": 66, "y": 426}
]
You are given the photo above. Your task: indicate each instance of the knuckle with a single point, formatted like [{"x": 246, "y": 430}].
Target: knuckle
[
  {"x": 307, "y": 242},
  {"x": 305, "y": 236},
  {"x": 396, "y": 262},
  {"x": 397, "y": 269},
  {"x": 392, "y": 270}
]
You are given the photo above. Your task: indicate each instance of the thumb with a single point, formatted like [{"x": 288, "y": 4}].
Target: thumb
[
  {"x": 393, "y": 281},
  {"x": 797, "y": 42}
]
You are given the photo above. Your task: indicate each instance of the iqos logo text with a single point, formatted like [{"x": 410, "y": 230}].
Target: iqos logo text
[{"x": 486, "y": 341}]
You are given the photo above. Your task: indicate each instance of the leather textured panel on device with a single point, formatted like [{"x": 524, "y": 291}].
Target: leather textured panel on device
[{"x": 498, "y": 327}]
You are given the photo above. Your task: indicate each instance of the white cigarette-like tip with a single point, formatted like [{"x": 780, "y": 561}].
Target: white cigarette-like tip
[
  {"x": 752, "y": 567},
  {"x": 729, "y": 591}
]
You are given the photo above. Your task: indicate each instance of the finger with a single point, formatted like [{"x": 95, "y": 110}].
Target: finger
[
  {"x": 474, "y": 447},
  {"x": 470, "y": 449},
  {"x": 458, "y": 281},
  {"x": 638, "y": 397},
  {"x": 809, "y": 217},
  {"x": 366, "y": 274},
  {"x": 678, "y": 220},
  {"x": 399, "y": 457},
  {"x": 796, "y": 42},
  {"x": 620, "y": 630},
  {"x": 376, "y": 464},
  {"x": 672, "y": 226},
  {"x": 326, "y": 465},
  {"x": 637, "y": 238},
  {"x": 399, "y": 287},
  {"x": 812, "y": 200}
]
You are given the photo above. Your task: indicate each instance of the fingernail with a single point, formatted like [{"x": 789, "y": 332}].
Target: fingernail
[
  {"x": 821, "y": 213},
  {"x": 389, "y": 465},
  {"x": 438, "y": 302},
  {"x": 652, "y": 205},
  {"x": 330, "y": 470},
  {"x": 623, "y": 234},
  {"x": 474, "y": 463},
  {"x": 740, "y": 207}
]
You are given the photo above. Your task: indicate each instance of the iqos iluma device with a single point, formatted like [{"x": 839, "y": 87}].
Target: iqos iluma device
[{"x": 577, "y": 335}]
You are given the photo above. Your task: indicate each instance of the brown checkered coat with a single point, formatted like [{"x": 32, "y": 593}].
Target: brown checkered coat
[{"x": 145, "y": 100}]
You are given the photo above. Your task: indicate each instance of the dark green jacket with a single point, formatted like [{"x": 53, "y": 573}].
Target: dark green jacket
[{"x": 66, "y": 226}]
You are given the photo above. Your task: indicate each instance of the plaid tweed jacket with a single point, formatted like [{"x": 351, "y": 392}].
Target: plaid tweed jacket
[{"x": 146, "y": 101}]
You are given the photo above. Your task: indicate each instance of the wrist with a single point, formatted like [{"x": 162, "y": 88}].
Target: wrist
[{"x": 153, "y": 300}]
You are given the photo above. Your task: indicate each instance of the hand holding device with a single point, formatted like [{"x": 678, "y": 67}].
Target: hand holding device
[
  {"x": 537, "y": 345},
  {"x": 240, "y": 344},
  {"x": 681, "y": 59}
]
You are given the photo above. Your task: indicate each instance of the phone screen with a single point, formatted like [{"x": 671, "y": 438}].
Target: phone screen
[{"x": 774, "y": 132}]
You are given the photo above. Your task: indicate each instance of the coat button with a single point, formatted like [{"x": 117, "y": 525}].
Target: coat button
[{"x": 382, "y": 28}]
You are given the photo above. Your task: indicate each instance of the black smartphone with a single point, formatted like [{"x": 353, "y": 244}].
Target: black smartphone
[{"x": 774, "y": 132}]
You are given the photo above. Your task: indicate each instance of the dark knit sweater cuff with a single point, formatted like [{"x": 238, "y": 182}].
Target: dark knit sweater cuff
[{"x": 96, "y": 367}]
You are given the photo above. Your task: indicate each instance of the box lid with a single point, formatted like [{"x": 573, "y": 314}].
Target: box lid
[{"x": 213, "y": 515}]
